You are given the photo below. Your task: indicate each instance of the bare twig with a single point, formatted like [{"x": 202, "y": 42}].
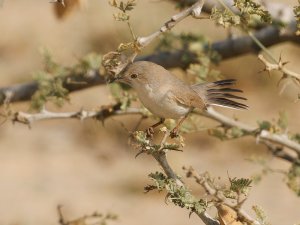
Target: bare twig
[
  {"x": 279, "y": 66},
  {"x": 83, "y": 220},
  {"x": 101, "y": 114},
  {"x": 194, "y": 10}
]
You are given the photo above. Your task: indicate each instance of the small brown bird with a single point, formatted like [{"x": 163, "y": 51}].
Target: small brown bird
[{"x": 166, "y": 96}]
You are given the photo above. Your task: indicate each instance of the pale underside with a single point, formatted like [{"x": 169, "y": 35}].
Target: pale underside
[{"x": 169, "y": 103}]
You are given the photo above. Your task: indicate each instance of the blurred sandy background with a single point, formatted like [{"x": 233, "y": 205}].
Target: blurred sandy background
[{"x": 88, "y": 167}]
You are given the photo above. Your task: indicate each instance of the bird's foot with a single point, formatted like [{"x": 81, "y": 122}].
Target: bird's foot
[
  {"x": 174, "y": 133},
  {"x": 149, "y": 132}
]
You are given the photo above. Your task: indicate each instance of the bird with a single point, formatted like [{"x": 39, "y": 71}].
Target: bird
[{"x": 168, "y": 97}]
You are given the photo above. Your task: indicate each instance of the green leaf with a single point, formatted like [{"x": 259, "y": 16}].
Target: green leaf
[
  {"x": 297, "y": 16},
  {"x": 250, "y": 10},
  {"x": 218, "y": 133},
  {"x": 224, "y": 17},
  {"x": 240, "y": 185},
  {"x": 293, "y": 176},
  {"x": 264, "y": 125},
  {"x": 296, "y": 137},
  {"x": 283, "y": 120},
  {"x": 260, "y": 214},
  {"x": 236, "y": 132}
]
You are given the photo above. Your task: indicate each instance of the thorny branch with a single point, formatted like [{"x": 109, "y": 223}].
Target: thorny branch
[
  {"x": 280, "y": 66},
  {"x": 98, "y": 218},
  {"x": 169, "y": 59},
  {"x": 264, "y": 136},
  {"x": 161, "y": 157},
  {"x": 210, "y": 190},
  {"x": 274, "y": 142},
  {"x": 24, "y": 92},
  {"x": 103, "y": 113}
]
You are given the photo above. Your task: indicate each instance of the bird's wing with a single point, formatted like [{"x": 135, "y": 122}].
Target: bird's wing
[{"x": 188, "y": 98}]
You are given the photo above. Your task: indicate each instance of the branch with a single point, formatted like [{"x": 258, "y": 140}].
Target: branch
[
  {"x": 280, "y": 66},
  {"x": 102, "y": 114},
  {"x": 279, "y": 11},
  {"x": 72, "y": 82},
  {"x": 195, "y": 11},
  {"x": 202, "y": 180},
  {"x": 265, "y": 135},
  {"x": 161, "y": 158},
  {"x": 228, "y": 48},
  {"x": 262, "y": 136}
]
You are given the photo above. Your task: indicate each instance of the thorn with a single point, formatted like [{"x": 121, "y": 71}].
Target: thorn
[
  {"x": 280, "y": 57},
  {"x": 62, "y": 2},
  {"x": 139, "y": 153},
  {"x": 263, "y": 70},
  {"x": 284, "y": 76},
  {"x": 284, "y": 63}
]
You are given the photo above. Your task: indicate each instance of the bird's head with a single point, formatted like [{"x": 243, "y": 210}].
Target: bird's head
[{"x": 137, "y": 74}]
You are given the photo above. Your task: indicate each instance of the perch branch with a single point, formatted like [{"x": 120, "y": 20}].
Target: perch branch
[
  {"x": 102, "y": 114},
  {"x": 264, "y": 136}
]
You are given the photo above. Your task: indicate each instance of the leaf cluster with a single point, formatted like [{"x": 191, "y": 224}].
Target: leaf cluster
[
  {"x": 260, "y": 215},
  {"x": 240, "y": 185},
  {"x": 250, "y": 15},
  {"x": 124, "y": 8},
  {"x": 297, "y": 16},
  {"x": 293, "y": 177},
  {"x": 227, "y": 133},
  {"x": 144, "y": 144},
  {"x": 121, "y": 93},
  {"x": 177, "y": 194},
  {"x": 252, "y": 12},
  {"x": 225, "y": 18},
  {"x": 277, "y": 126},
  {"x": 198, "y": 54},
  {"x": 52, "y": 81}
]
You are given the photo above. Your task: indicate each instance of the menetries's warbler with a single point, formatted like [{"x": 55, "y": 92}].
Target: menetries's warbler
[{"x": 166, "y": 96}]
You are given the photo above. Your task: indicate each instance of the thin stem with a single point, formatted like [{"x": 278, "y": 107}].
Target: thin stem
[
  {"x": 131, "y": 31},
  {"x": 268, "y": 53},
  {"x": 258, "y": 42}
]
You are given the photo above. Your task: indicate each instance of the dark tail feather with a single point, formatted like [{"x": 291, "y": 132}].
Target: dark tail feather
[
  {"x": 227, "y": 103},
  {"x": 224, "y": 82},
  {"x": 216, "y": 93}
]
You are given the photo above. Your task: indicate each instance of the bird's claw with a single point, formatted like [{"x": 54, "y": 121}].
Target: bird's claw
[
  {"x": 174, "y": 133},
  {"x": 149, "y": 132}
]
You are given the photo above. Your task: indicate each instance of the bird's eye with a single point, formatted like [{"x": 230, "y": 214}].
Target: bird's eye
[{"x": 134, "y": 75}]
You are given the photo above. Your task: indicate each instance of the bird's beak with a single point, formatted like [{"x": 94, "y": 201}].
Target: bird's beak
[{"x": 113, "y": 79}]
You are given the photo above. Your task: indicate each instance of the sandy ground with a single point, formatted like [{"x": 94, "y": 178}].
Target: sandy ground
[{"x": 88, "y": 167}]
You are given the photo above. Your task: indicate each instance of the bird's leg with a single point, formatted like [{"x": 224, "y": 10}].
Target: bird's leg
[
  {"x": 174, "y": 132},
  {"x": 150, "y": 130}
]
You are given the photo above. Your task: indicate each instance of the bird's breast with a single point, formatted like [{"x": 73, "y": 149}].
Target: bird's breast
[{"x": 160, "y": 102}]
